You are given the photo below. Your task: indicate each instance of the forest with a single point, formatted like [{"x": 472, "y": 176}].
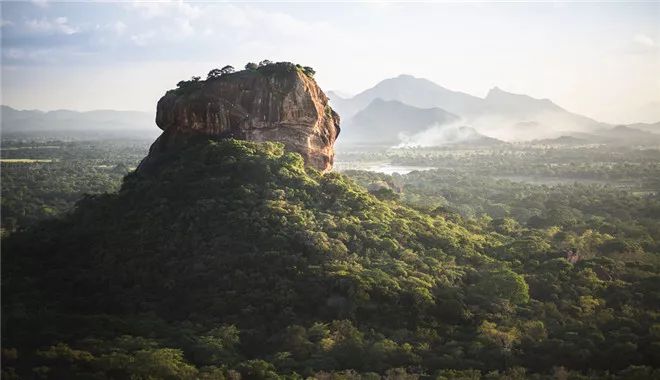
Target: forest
[
  {"x": 506, "y": 263},
  {"x": 44, "y": 178}
]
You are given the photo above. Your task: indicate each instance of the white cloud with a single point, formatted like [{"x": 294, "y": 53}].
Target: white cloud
[
  {"x": 119, "y": 27},
  {"x": 189, "y": 11},
  {"x": 644, "y": 40},
  {"x": 149, "y": 10},
  {"x": 4, "y": 23},
  {"x": 31, "y": 55},
  {"x": 143, "y": 39},
  {"x": 175, "y": 21},
  {"x": 184, "y": 27},
  {"x": 59, "y": 25},
  {"x": 40, "y": 3},
  {"x": 170, "y": 20},
  {"x": 166, "y": 8}
]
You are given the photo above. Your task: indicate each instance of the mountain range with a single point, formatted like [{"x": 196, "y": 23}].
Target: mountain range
[
  {"x": 404, "y": 110},
  {"x": 99, "y": 123},
  {"x": 394, "y": 120},
  {"x": 376, "y": 114}
]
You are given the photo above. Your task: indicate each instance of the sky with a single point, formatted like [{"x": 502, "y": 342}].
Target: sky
[{"x": 598, "y": 59}]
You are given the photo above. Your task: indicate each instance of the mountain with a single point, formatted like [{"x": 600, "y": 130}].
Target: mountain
[
  {"x": 621, "y": 135},
  {"x": 385, "y": 122},
  {"x": 562, "y": 140},
  {"x": 407, "y": 89},
  {"x": 85, "y": 124},
  {"x": 276, "y": 102},
  {"x": 648, "y": 127},
  {"x": 520, "y": 117},
  {"x": 515, "y": 105},
  {"x": 500, "y": 114}
]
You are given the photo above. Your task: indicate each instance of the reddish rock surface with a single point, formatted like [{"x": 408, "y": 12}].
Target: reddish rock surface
[{"x": 276, "y": 103}]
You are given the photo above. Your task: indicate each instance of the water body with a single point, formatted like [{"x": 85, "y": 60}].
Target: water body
[{"x": 379, "y": 167}]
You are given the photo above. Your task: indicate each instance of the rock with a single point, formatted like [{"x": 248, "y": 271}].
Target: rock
[{"x": 277, "y": 102}]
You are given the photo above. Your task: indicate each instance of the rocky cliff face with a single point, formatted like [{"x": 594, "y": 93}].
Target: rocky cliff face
[{"x": 274, "y": 103}]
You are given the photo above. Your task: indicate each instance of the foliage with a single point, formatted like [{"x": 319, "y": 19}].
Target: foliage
[
  {"x": 32, "y": 191},
  {"x": 213, "y": 74},
  {"x": 308, "y": 71},
  {"x": 264, "y": 67},
  {"x": 233, "y": 260}
]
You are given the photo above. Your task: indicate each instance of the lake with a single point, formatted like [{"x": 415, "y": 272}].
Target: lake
[{"x": 378, "y": 167}]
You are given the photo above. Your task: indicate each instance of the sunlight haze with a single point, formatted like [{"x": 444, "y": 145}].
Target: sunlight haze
[{"x": 598, "y": 59}]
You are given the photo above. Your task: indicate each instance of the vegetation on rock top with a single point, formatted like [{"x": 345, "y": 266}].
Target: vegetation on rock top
[{"x": 264, "y": 67}]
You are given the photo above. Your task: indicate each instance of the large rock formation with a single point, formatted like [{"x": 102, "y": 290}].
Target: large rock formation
[{"x": 277, "y": 102}]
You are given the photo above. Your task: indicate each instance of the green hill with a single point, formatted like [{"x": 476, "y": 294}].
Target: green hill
[{"x": 234, "y": 260}]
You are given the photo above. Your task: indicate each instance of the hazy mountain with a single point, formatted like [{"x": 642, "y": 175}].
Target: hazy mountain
[
  {"x": 389, "y": 121},
  {"x": 90, "y": 123},
  {"x": 500, "y": 114},
  {"x": 520, "y": 117},
  {"x": 518, "y": 106},
  {"x": 562, "y": 140},
  {"x": 621, "y": 135},
  {"x": 417, "y": 92},
  {"x": 338, "y": 95},
  {"x": 648, "y": 127}
]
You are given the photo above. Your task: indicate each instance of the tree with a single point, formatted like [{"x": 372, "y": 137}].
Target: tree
[
  {"x": 195, "y": 79},
  {"x": 215, "y": 73},
  {"x": 504, "y": 284},
  {"x": 251, "y": 66},
  {"x": 502, "y": 337},
  {"x": 309, "y": 71},
  {"x": 265, "y": 62},
  {"x": 227, "y": 69}
]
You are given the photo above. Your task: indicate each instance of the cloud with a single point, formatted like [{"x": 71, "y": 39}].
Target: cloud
[
  {"x": 119, "y": 27},
  {"x": 168, "y": 8},
  {"x": 166, "y": 20},
  {"x": 4, "y": 23},
  {"x": 40, "y": 3},
  {"x": 58, "y": 25},
  {"x": 149, "y": 10},
  {"x": 164, "y": 23},
  {"x": 184, "y": 27},
  {"x": 27, "y": 55},
  {"x": 143, "y": 39},
  {"x": 644, "y": 40}
]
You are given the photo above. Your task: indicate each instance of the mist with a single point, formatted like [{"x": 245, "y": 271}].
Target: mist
[{"x": 439, "y": 135}]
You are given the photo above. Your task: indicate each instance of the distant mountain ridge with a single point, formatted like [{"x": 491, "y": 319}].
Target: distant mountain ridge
[
  {"x": 106, "y": 122},
  {"x": 385, "y": 121},
  {"x": 648, "y": 127},
  {"x": 393, "y": 123},
  {"x": 500, "y": 114},
  {"x": 621, "y": 135},
  {"x": 417, "y": 92}
]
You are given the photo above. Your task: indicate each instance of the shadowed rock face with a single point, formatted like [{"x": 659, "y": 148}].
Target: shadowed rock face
[{"x": 280, "y": 104}]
